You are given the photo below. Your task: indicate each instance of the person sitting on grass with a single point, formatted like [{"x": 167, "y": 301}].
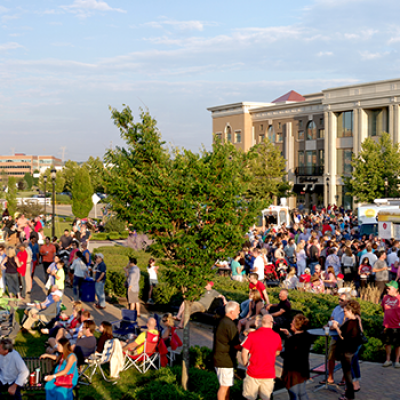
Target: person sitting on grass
[
  {"x": 66, "y": 365},
  {"x": 202, "y": 305}
]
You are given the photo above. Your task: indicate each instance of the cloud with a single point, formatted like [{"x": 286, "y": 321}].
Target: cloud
[
  {"x": 367, "y": 55},
  {"x": 192, "y": 25},
  {"x": 10, "y": 46},
  {"x": 325, "y": 53},
  {"x": 85, "y": 8},
  {"x": 3, "y": 10}
]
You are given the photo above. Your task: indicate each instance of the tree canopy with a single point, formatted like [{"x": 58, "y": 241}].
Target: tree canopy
[
  {"x": 82, "y": 191},
  {"x": 60, "y": 181},
  {"x": 95, "y": 168},
  {"x": 376, "y": 161}
]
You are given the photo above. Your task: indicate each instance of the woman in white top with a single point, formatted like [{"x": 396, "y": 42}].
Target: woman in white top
[
  {"x": 301, "y": 258},
  {"x": 348, "y": 262},
  {"x": 291, "y": 280},
  {"x": 152, "y": 269}
]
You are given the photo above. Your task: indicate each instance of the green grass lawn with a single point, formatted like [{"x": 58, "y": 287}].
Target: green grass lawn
[{"x": 60, "y": 228}]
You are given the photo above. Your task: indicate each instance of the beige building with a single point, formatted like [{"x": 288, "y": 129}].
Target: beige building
[
  {"x": 316, "y": 133},
  {"x": 19, "y": 164}
]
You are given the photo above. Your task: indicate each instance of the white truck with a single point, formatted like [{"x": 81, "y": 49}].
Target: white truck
[{"x": 275, "y": 215}]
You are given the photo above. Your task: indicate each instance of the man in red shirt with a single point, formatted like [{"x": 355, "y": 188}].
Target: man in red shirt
[
  {"x": 391, "y": 323},
  {"x": 22, "y": 258},
  {"x": 254, "y": 283},
  {"x": 47, "y": 251},
  {"x": 263, "y": 345}
]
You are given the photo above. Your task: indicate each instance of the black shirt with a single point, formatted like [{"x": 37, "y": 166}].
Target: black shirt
[
  {"x": 65, "y": 241},
  {"x": 282, "y": 305},
  {"x": 296, "y": 355},
  {"x": 225, "y": 339},
  {"x": 314, "y": 253}
]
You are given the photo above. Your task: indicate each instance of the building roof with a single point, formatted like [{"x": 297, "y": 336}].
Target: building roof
[{"x": 291, "y": 96}]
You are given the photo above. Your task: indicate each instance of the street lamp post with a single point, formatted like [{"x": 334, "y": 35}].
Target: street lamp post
[
  {"x": 327, "y": 192},
  {"x": 53, "y": 223},
  {"x": 45, "y": 198},
  {"x": 386, "y": 186}
]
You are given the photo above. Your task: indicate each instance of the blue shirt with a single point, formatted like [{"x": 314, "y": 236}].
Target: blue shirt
[{"x": 338, "y": 315}]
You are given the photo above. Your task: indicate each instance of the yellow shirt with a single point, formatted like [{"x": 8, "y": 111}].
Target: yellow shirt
[{"x": 139, "y": 341}]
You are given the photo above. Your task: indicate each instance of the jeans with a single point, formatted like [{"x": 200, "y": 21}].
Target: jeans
[
  {"x": 245, "y": 308},
  {"x": 298, "y": 392},
  {"x": 23, "y": 283},
  {"x": 12, "y": 283},
  {"x": 76, "y": 286},
  {"x": 312, "y": 267},
  {"x": 345, "y": 359},
  {"x": 101, "y": 297},
  {"x": 4, "y": 390}
]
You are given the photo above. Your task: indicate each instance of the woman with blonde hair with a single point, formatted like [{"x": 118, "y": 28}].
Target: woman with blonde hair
[
  {"x": 255, "y": 307},
  {"x": 301, "y": 258},
  {"x": 330, "y": 280},
  {"x": 168, "y": 323}
]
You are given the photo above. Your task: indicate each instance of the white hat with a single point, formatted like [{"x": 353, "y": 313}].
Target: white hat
[
  {"x": 100, "y": 255},
  {"x": 57, "y": 293}
]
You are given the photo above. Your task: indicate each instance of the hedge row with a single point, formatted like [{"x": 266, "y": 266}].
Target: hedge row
[{"x": 110, "y": 235}]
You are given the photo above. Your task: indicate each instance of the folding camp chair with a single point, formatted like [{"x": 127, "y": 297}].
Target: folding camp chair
[
  {"x": 150, "y": 356},
  {"x": 95, "y": 361},
  {"x": 128, "y": 324}
]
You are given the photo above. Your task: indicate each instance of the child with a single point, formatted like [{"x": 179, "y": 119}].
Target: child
[{"x": 152, "y": 269}]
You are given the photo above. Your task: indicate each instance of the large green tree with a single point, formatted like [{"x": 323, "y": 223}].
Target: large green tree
[
  {"x": 69, "y": 171},
  {"x": 95, "y": 168},
  {"x": 193, "y": 205},
  {"x": 377, "y": 160},
  {"x": 60, "y": 181},
  {"x": 82, "y": 191},
  {"x": 11, "y": 195},
  {"x": 29, "y": 180},
  {"x": 267, "y": 166}
]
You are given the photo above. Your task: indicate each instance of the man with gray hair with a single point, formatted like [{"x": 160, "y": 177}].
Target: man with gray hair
[
  {"x": 226, "y": 345},
  {"x": 13, "y": 371},
  {"x": 263, "y": 345}
]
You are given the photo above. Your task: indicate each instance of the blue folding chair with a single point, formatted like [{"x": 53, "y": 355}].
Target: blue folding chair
[{"x": 126, "y": 325}]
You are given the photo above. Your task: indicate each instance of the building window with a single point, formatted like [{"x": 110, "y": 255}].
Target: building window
[
  {"x": 261, "y": 127},
  {"x": 300, "y": 157},
  {"x": 271, "y": 134},
  {"x": 311, "y": 161},
  {"x": 321, "y": 122},
  {"x": 343, "y": 161},
  {"x": 261, "y": 138},
  {"x": 377, "y": 121},
  {"x": 343, "y": 199},
  {"x": 321, "y": 156},
  {"x": 311, "y": 130},
  {"x": 300, "y": 124},
  {"x": 279, "y": 125},
  {"x": 321, "y": 133},
  {"x": 238, "y": 136},
  {"x": 218, "y": 137},
  {"x": 300, "y": 135},
  {"x": 228, "y": 134},
  {"x": 345, "y": 124},
  {"x": 279, "y": 137}
]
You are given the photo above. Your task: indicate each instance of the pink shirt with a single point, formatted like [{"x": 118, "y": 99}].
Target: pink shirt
[{"x": 391, "y": 309}]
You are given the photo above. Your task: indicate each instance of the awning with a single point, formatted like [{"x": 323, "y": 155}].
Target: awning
[
  {"x": 297, "y": 188},
  {"x": 318, "y": 188},
  {"x": 308, "y": 188}
]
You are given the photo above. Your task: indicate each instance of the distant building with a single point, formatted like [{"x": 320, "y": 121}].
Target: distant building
[
  {"x": 19, "y": 164},
  {"x": 316, "y": 133}
]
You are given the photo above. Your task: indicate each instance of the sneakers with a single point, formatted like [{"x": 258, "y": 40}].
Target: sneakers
[
  {"x": 397, "y": 365},
  {"x": 150, "y": 301},
  {"x": 387, "y": 364}
]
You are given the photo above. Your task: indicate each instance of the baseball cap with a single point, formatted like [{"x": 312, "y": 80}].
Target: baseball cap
[
  {"x": 340, "y": 276},
  {"x": 100, "y": 255},
  {"x": 393, "y": 284},
  {"x": 307, "y": 270},
  {"x": 57, "y": 293},
  {"x": 211, "y": 283}
]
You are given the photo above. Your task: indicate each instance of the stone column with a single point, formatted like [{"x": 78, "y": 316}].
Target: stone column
[
  {"x": 390, "y": 122},
  {"x": 396, "y": 123},
  {"x": 332, "y": 120},
  {"x": 326, "y": 155}
]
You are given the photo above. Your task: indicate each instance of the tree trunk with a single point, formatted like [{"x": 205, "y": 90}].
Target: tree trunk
[{"x": 186, "y": 345}]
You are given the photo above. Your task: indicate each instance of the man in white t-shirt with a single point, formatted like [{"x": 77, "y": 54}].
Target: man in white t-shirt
[{"x": 258, "y": 266}]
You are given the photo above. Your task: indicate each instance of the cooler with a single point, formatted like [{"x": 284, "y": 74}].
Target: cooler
[{"x": 88, "y": 291}]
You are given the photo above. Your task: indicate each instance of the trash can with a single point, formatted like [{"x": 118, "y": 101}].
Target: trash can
[{"x": 88, "y": 291}]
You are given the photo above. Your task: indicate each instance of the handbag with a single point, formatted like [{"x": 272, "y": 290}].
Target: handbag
[
  {"x": 363, "y": 338},
  {"x": 64, "y": 381}
]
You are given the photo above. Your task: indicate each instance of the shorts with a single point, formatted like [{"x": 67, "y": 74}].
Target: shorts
[
  {"x": 253, "y": 388},
  {"x": 133, "y": 297},
  {"x": 197, "y": 307},
  {"x": 153, "y": 282},
  {"x": 391, "y": 336},
  {"x": 332, "y": 350},
  {"x": 225, "y": 376}
]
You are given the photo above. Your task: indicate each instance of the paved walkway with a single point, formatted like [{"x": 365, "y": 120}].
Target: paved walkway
[{"x": 377, "y": 383}]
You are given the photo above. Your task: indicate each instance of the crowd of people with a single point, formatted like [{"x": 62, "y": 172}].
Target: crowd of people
[{"x": 321, "y": 252}]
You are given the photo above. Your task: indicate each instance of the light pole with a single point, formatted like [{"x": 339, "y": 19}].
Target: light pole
[
  {"x": 53, "y": 223},
  {"x": 45, "y": 198},
  {"x": 386, "y": 186},
  {"x": 327, "y": 192}
]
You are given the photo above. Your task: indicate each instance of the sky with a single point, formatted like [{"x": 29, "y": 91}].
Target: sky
[{"x": 63, "y": 63}]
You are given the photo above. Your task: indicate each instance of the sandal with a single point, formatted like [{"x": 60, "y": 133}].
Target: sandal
[
  {"x": 176, "y": 318},
  {"x": 324, "y": 382},
  {"x": 342, "y": 383}
]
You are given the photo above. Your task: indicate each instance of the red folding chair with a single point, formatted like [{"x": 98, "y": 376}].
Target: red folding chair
[{"x": 150, "y": 357}]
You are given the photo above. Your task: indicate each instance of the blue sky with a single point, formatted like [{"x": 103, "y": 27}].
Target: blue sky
[{"x": 62, "y": 63}]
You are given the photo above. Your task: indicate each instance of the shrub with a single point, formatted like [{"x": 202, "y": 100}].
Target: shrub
[
  {"x": 201, "y": 358},
  {"x": 68, "y": 219},
  {"x": 124, "y": 235},
  {"x": 99, "y": 236},
  {"x": 374, "y": 350},
  {"x": 115, "y": 283},
  {"x": 113, "y": 236},
  {"x": 31, "y": 209},
  {"x": 164, "y": 293},
  {"x": 63, "y": 199},
  {"x": 114, "y": 224}
]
